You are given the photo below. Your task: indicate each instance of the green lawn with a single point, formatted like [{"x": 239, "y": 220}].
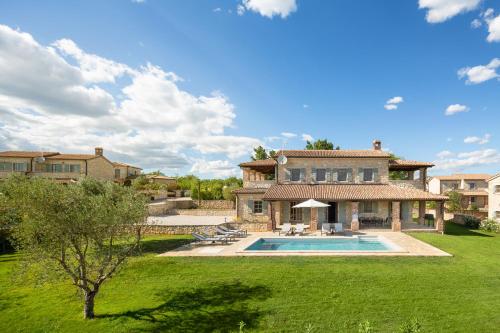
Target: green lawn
[{"x": 285, "y": 294}]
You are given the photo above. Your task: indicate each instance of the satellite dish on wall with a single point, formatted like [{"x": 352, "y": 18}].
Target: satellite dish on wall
[{"x": 282, "y": 160}]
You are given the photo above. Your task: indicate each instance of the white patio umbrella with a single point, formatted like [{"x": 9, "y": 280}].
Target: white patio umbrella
[{"x": 311, "y": 203}]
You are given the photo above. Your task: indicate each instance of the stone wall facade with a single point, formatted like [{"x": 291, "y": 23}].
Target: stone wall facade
[
  {"x": 335, "y": 163},
  {"x": 100, "y": 168}
]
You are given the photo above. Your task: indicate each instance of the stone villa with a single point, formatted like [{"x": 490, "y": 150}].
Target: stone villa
[
  {"x": 494, "y": 198},
  {"x": 65, "y": 168},
  {"x": 355, "y": 183},
  {"x": 472, "y": 187}
]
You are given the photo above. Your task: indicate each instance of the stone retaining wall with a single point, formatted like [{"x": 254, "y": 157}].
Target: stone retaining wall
[
  {"x": 249, "y": 226},
  {"x": 177, "y": 229},
  {"x": 160, "y": 208},
  {"x": 214, "y": 204},
  {"x": 202, "y": 212}
]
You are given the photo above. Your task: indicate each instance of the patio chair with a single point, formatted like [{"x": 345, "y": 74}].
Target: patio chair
[
  {"x": 240, "y": 232},
  {"x": 299, "y": 229},
  {"x": 339, "y": 227},
  {"x": 326, "y": 228},
  {"x": 211, "y": 239},
  {"x": 228, "y": 233},
  {"x": 286, "y": 228}
]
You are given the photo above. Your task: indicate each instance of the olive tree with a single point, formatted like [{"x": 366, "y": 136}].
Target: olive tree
[{"x": 84, "y": 231}]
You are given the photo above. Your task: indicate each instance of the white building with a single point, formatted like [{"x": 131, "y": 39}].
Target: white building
[{"x": 494, "y": 197}]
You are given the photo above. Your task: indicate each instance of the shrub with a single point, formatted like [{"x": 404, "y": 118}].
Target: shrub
[
  {"x": 471, "y": 222},
  {"x": 490, "y": 225},
  {"x": 365, "y": 327}
]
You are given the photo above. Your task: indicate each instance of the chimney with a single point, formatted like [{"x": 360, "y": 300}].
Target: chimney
[
  {"x": 377, "y": 145},
  {"x": 98, "y": 151}
]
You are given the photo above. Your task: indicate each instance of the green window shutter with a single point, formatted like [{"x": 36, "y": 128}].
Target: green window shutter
[
  {"x": 361, "y": 207},
  {"x": 335, "y": 175},
  {"x": 264, "y": 207},
  {"x": 360, "y": 174},
  {"x": 287, "y": 174},
  {"x": 250, "y": 205},
  {"x": 66, "y": 167},
  {"x": 302, "y": 174},
  {"x": 328, "y": 175},
  {"x": 313, "y": 174},
  {"x": 375, "y": 207},
  {"x": 375, "y": 175}
]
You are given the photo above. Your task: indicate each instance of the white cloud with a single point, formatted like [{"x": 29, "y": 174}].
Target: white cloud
[
  {"x": 481, "y": 73},
  {"x": 474, "y": 139},
  {"x": 154, "y": 124},
  {"x": 307, "y": 137},
  {"x": 456, "y": 108},
  {"x": 138, "y": 1},
  {"x": 268, "y": 8},
  {"x": 305, "y": 106},
  {"x": 493, "y": 29},
  {"x": 392, "y": 103},
  {"x": 445, "y": 154},
  {"x": 288, "y": 135},
  {"x": 217, "y": 168},
  {"x": 449, "y": 139},
  {"x": 395, "y": 100},
  {"x": 390, "y": 107},
  {"x": 93, "y": 68},
  {"x": 216, "y": 10},
  {"x": 441, "y": 10},
  {"x": 465, "y": 160},
  {"x": 476, "y": 23}
]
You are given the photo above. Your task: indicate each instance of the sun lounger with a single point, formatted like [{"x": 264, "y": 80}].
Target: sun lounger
[
  {"x": 286, "y": 229},
  {"x": 229, "y": 234},
  {"x": 326, "y": 228},
  {"x": 339, "y": 227},
  {"x": 300, "y": 229},
  {"x": 211, "y": 239},
  {"x": 239, "y": 232}
]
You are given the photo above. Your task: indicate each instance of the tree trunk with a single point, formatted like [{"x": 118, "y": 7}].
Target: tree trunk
[{"x": 88, "y": 307}]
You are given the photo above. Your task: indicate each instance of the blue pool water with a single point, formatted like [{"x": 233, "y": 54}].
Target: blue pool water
[{"x": 319, "y": 244}]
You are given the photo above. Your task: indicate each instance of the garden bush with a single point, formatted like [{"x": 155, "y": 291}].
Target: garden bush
[
  {"x": 490, "y": 225},
  {"x": 471, "y": 222}
]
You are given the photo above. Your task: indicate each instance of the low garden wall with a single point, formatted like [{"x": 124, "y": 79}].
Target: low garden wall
[
  {"x": 202, "y": 212},
  {"x": 214, "y": 204},
  {"x": 177, "y": 229}
]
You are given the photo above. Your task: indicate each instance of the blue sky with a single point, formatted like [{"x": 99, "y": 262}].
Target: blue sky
[{"x": 192, "y": 86}]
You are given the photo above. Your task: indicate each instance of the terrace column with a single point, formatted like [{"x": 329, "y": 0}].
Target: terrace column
[
  {"x": 314, "y": 219},
  {"x": 421, "y": 212},
  {"x": 277, "y": 213},
  {"x": 440, "y": 217},
  {"x": 355, "y": 216},
  {"x": 396, "y": 221},
  {"x": 270, "y": 215}
]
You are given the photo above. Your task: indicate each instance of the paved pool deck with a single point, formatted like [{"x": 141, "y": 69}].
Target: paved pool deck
[{"x": 405, "y": 245}]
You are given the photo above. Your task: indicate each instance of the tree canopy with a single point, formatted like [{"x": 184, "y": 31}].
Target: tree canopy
[
  {"x": 84, "y": 231},
  {"x": 260, "y": 153},
  {"x": 397, "y": 175},
  {"x": 320, "y": 144},
  {"x": 210, "y": 189}
]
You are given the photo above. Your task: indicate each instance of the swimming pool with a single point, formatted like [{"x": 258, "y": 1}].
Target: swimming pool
[{"x": 350, "y": 244}]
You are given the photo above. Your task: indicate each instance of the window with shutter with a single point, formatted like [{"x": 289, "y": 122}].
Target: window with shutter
[
  {"x": 302, "y": 175},
  {"x": 257, "y": 207},
  {"x": 320, "y": 175},
  {"x": 342, "y": 175},
  {"x": 295, "y": 175}
]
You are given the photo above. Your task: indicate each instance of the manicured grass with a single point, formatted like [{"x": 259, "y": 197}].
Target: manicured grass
[{"x": 278, "y": 294}]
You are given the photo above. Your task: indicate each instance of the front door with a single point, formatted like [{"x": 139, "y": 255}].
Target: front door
[{"x": 332, "y": 212}]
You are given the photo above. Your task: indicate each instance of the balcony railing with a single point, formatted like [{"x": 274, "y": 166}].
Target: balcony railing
[
  {"x": 407, "y": 183},
  {"x": 258, "y": 183}
]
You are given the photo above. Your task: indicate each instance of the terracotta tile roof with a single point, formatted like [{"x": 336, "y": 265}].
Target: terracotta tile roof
[
  {"x": 268, "y": 162},
  {"x": 409, "y": 163},
  {"x": 250, "y": 190},
  {"x": 347, "y": 192},
  {"x": 334, "y": 153},
  {"x": 125, "y": 165},
  {"x": 465, "y": 176},
  {"x": 71, "y": 157},
  {"x": 28, "y": 154}
]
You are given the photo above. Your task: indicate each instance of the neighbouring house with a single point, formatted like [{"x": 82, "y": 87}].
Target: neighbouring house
[
  {"x": 60, "y": 167},
  {"x": 472, "y": 187},
  {"x": 494, "y": 197},
  {"x": 125, "y": 173},
  {"x": 170, "y": 182},
  {"x": 355, "y": 183}
]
